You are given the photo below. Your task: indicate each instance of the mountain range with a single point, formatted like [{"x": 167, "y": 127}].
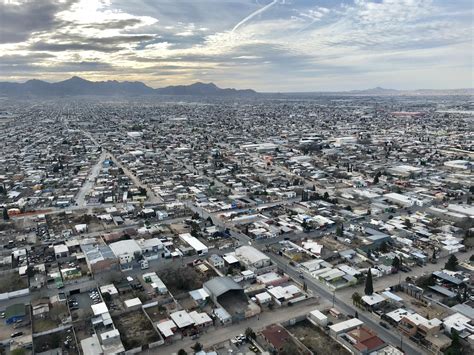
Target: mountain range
[{"x": 77, "y": 86}]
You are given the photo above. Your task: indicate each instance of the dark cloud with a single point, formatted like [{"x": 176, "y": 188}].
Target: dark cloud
[
  {"x": 99, "y": 44},
  {"x": 17, "y": 22},
  {"x": 16, "y": 59},
  {"x": 61, "y": 47},
  {"x": 117, "y": 24}
]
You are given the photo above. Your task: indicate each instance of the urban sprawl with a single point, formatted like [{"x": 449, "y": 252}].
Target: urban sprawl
[{"x": 285, "y": 225}]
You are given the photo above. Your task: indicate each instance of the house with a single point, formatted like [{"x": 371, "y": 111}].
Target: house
[
  {"x": 61, "y": 251},
  {"x": 276, "y": 336},
  {"x": 363, "y": 340},
  {"x": 216, "y": 261}
]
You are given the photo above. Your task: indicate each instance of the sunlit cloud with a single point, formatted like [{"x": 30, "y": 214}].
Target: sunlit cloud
[{"x": 267, "y": 45}]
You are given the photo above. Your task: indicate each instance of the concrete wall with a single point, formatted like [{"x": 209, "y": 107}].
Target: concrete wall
[{"x": 10, "y": 295}]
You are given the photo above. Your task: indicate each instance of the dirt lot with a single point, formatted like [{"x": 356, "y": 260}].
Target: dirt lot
[
  {"x": 12, "y": 282},
  {"x": 135, "y": 329},
  {"x": 315, "y": 339},
  {"x": 50, "y": 320}
]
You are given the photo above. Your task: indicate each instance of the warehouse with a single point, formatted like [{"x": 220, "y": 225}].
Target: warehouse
[{"x": 194, "y": 243}]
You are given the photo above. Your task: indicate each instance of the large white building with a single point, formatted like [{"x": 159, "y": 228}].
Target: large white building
[
  {"x": 194, "y": 243},
  {"x": 251, "y": 257},
  {"x": 125, "y": 250}
]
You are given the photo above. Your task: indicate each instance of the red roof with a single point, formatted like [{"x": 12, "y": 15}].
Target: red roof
[{"x": 276, "y": 335}]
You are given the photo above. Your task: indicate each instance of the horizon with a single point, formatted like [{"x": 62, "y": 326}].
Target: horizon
[
  {"x": 265, "y": 45},
  {"x": 222, "y": 87}
]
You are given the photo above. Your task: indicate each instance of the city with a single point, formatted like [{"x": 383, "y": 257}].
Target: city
[
  {"x": 219, "y": 177},
  {"x": 160, "y": 227}
]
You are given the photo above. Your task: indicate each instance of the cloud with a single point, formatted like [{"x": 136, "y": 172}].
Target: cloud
[
  {"x": 268, "y": 45},
  {"x": 18, "y": 20}
]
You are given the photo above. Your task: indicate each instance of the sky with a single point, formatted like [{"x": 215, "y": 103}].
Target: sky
[{"x": 267, "y": 45}]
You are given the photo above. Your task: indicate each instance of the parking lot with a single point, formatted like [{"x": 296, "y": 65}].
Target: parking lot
[{"x": 81, "y": 309}]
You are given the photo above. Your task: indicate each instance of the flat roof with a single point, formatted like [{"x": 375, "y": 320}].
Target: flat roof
[{"x": 346, "y": 325}]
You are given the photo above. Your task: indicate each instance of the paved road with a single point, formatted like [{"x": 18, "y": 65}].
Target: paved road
[
  {"x": 220, "y": 334},
  {"x": 89, "y": 183}
]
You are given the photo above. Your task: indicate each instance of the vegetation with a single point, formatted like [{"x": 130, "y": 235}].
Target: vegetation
[
  {"x": 369, "y": 286},
  {"x": 5, "y": 214},
  {"x": 197, "y": 347},
  {"x": 356, "y": 298},
  {"x": 396, "y": 263},
  {"x": 452, "y": 263},
  {"x": 250, "y": 334}
]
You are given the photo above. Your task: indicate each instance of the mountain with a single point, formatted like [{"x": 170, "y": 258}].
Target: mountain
[
  {"x": 379, "y": 91},
  {"x": 78, "y": 86}
]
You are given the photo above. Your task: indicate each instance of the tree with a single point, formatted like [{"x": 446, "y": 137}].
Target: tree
[
  {"x": 250, "y": 334},
  {"x": 5, "y": 214},
  {"x": 407, "y": 223},
  {"x": 356, "y": 298},
  {"x": 197, "y": 347},
  {"x": 452, "y": 263},
  {"x": 369, "y": 286},
  {"x": 396, "y": 263},
  {"x": 455, "y": 348},
  {"x": 340, "y": 230},
  {"x": 182, "y": 352},
  {"x": 384, "y": 247}
]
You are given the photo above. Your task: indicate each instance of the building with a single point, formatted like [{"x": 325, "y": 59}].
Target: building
[
  {"x": 223, "y": 287},
  {"x": 61, "y": 251},
  {"x": 276, "y": 336},
  {"x": 216, "y": 261},
  {"x": 99, "y": 257},
  {"x": 251, "y": 257},
  {"x": 363, "y": 340},
  {"x": 194, "y": 243},
  {"x": 126, "y": 250}
]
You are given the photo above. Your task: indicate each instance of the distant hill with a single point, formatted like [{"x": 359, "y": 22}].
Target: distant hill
[
  {"x": 378, "y": 91},
  {"x": 78, "y": 86}
]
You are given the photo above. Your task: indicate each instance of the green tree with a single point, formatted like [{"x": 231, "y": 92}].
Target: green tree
[
  {"x": 369, "y": 286},
  {"x": 356, "y": 298},
  {"x": 396, "y": 263},
  {"x": 5, "y": 214},
  {"x": 250, "y": 334},
  {"x": 197, "y": 347},
  {"x": 407, "y": 223},
  {"x": 452, "y": 263}
]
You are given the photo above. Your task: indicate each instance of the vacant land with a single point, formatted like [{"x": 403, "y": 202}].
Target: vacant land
[
  {"x": 135, "y": 329},
  {"x": 315, "y": 339},
  {"x": 12, "y": 282}
]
